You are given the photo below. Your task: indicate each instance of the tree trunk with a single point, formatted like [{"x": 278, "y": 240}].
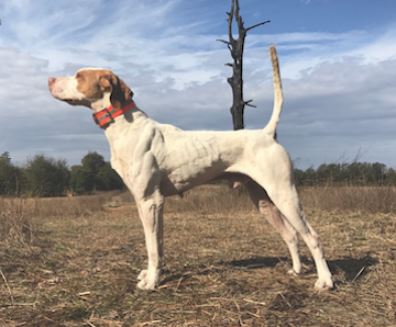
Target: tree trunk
[{"x": 236, "y": 47}]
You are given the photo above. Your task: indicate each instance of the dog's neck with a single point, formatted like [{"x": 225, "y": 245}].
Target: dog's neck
[
  {"x": 102, "y": 103},
  {"x": 128, "y": 117},
  {"x": 131, "y": 122}
]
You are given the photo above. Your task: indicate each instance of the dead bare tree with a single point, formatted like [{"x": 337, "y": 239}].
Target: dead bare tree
[{"x": 236, "y": 47}]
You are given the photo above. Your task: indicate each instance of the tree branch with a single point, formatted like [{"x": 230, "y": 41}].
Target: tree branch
[
  {"x": 257, "y": 25},
  {"x": 229, "y": 44},
  {"x": 248, "y": 103},
  {"x": 224, "y": 41}
]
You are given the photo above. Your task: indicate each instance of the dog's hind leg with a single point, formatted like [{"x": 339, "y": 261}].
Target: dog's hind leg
[
  {"x": 273, "y": 172},
  {"x": 275, "y": 218},
  {"x": 285, "y": 197}
]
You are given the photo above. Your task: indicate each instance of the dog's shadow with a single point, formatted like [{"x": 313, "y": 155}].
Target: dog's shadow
[
  {"x": 224, "y": 266},
  {"x": 353, "y": 268},
  {"x": 255, "y": 262}
]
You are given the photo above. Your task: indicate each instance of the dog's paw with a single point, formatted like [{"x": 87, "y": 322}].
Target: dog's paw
[
  {"x": 146, "y": 285},
  {"x": 148, "y": 280},
  {"x": 324, "y": 285},
  {"x": 142, "y": 275}
]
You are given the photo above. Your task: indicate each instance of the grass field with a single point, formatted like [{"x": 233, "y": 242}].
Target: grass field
[{"x": 74, "y": 262}]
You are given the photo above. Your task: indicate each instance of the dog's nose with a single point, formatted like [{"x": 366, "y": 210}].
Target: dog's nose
[{"x": 51, "y": 81}]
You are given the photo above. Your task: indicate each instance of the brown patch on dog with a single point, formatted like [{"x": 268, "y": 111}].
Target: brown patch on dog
[
  {"x": 121, "y": 94},
  {"x": 93, "y": 83},
  {"x": 88, "y": 83}
]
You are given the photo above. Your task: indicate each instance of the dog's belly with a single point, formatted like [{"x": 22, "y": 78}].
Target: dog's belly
[
  {"x": 189, "y": 164},
  {"x": 186, "y": 179}
]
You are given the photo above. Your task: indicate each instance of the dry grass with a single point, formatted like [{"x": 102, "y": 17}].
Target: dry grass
[
  {"x": 76, "y": 263},
  {"x": 57, "y": 207},
  {"x": 370, "y": 199},
  {"x": 15, "y": 224}
]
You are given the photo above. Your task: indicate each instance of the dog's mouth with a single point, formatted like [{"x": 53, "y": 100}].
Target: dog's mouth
[
  {"x": 76, "y": 102},
  {"x": 71, "y": 101},
  {"x": 58, "y": 94}
]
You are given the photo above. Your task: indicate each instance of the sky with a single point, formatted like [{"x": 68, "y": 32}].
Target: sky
[{"x": 338, "y": 66}]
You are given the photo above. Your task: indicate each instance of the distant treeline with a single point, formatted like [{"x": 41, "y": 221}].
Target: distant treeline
[
  {"x": 43, "y": 176},
  {"x": 355, "y": 173}
]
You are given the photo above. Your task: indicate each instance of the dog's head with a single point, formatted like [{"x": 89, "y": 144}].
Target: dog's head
[{"x": 90, "y": 85}]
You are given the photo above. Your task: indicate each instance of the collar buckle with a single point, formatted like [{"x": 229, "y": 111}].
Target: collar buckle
[
  {"x": 103, "y": 118},
  {"x": 106, "y": 116}
]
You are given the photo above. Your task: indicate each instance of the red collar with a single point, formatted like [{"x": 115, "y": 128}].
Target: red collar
[{"x": 106, "y": 116}]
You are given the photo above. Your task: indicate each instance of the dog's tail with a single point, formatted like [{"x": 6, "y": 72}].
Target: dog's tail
[{"x": 271, "y": 126}]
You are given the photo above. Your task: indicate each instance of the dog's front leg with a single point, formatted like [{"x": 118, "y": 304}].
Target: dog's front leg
[{"x": 151, "y": 215}]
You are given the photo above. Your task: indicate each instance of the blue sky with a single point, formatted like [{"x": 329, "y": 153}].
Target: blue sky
[{"x": 338, "y": 63}]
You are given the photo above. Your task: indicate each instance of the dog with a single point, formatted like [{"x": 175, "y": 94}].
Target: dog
[{"x": 157, "y": 160}]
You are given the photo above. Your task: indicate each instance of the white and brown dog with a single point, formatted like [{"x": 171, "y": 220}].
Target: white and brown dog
[{"x": 157, "y": 160}]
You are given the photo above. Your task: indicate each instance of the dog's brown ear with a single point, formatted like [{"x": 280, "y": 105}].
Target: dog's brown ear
[
  {"x": 126, "y": 91},
  {"x": 121, "y": 94},
  {"x": 106, "y": 82}
]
